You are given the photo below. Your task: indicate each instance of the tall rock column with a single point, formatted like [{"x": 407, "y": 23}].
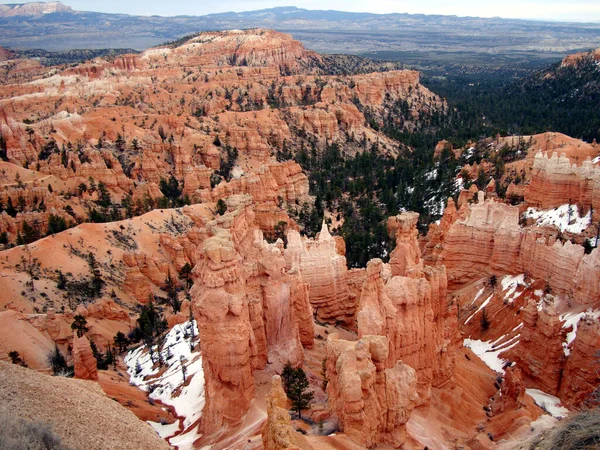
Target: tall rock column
[
  {"x": 220, "y": 307},
  {"x": 406, "y": 257},
  {"x": 83, "y": 359}
]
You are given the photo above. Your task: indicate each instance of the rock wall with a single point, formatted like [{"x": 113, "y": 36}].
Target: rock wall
[
  {"x": 325, "y": 271},
  {"x": 412, "y": 311},
  {"x": 555, "y": 181},
  {"x": 485, "y": 238},
  {"x": 581, "y": 373},
  {"x": 372, "y": 402}
]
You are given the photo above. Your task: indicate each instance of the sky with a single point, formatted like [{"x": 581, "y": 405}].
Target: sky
[{"x": 555, "y": 10}]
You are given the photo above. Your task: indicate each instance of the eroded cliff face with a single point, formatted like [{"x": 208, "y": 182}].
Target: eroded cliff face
[
  {"x": 533, "y": 289},
  {"x": 326, "y": 273},
  {"x": 485, "y": 238},
  {"x": 373, "y": 402},
  {"x": 557, "y": 179},
  {"x": 250, "y": 311},
  {"x": 411, "y": 310}
]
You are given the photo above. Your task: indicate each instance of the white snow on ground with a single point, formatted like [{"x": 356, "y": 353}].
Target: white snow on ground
[
  {"x": 176, "y": 354},
  {"x": 459, "y": 183},
  {"x": 548, "y": 403},
  {"x": 489, "y": 352},
  {"x": 559, "y": 217},
  {"x": 572, "y": 319},
  {"x": 510, "y": 284},
  {"x": 483, "y": 305},
  {"x": 431, "y": 175},
  {"x": 478, "y": 295},
  {"x": 468, "y": 154}
]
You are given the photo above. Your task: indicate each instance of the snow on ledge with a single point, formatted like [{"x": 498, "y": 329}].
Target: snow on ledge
[
  {"x": 559, "y": 218},
  {"x": 489, "y": 351},
  {"x": 548, "y": 403},
  {"x": 572, "y": 320}
]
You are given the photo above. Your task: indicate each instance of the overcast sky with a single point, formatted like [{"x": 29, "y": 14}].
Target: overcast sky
[{"x": 563, "y": 10}]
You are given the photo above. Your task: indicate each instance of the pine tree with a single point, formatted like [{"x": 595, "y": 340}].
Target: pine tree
[
  {"x": 296, "y": 385},
  {"x": 80, "y": 325}
]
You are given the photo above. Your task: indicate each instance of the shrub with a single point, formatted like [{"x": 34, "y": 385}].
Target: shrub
[
  {"x": 17, "y": 434},
  {"x": 582, "y": 431}
]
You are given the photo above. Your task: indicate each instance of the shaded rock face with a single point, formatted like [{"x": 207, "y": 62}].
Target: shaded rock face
[
  {"x": 542, "y": 329},
  {"x": 555, "y": 181},
  {"x": 325, "y": 271},
  {"x": 277, "y": 431},
  {"x": 250, "y": 311},
  {"x": 512, "y": 391},
  {"x": 373, "y": 402},
  {"x": 581, "y": 373},
  {"x": 83, "y": 359},
  {"x": 411, "y": 311},
  {"x": 485, "y": 238}
]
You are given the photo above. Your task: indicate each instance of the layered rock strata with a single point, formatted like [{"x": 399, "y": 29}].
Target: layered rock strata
[{"x": 373, "y": 402}]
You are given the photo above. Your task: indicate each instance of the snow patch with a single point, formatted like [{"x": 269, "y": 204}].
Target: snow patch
[
  {"x": 478, "y": 295},
  {"x": 572, "y": 320},
  {"x": 162, "y": 371},
  {"x": 548, "y": 403},
  {"x": 559, "y": 218},
  {"x": 510, "y": 285},
  {"x": 429, "y": 176},
  {"x": 483, "y": 305},
  {"x": 489, "y": 351}
]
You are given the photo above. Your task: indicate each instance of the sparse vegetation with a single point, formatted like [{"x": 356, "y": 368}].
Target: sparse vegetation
[
  {"x": 19, "y": 434},
  {"x": 296, "y": 385},
  {"x": 579, "y": 432}
]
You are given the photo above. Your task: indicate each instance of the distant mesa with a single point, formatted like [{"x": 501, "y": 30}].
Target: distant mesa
[{"x": 33, "y": 9}]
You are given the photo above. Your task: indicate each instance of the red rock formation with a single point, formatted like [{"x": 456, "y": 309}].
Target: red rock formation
[
  {"x": 244, "y": 295},
  {"x": 540, "y": 353},
  {"x": 412, "y": 311},
  {"x": 373, "y": 403},
  {"x": 556, "y": 181},
  {"x": 406, "y": 256},
  {"x": 83, "y": 359},
  {"x": 485, "y": 239},
  {"x": 221, "y": 310},
  {"x": 581, "y": 373},
  {"x": 326, "y": 273},
  {"x": 512, "y": 391},
  {"x": 277, "y": 431}
]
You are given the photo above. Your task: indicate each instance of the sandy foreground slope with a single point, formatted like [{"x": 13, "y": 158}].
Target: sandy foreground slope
[{"x": 78, "y": 411}]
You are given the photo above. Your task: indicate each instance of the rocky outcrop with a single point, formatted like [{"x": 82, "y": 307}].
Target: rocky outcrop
[
  {"x": 406, "y": 256},
  {"x": 277, "y": 432},
  {"x": 540, "y": 353},
  {"x": 412, "y": 310},
  {"x": 581, "y": 373},
  {"x": 325, "y": 271},
  {"x": 244, "y": 296},
  {"x": 556, "y": 181},
  {"x": 220, "y": 308},
  {"x": 512, "y": 391},
  {"x": 83, "y": 359},
  {"x": 373, "y": 403},
  {"x": 485, "y": 238}
]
